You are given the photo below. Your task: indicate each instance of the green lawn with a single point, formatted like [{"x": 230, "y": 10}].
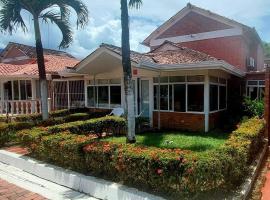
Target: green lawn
[{"x": 197, "y": 142}]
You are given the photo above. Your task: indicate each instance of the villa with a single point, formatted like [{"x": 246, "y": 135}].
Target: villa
[{"x": 198, "y": 62}]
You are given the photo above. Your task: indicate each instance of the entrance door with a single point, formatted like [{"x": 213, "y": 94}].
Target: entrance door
[{"x": 145, "y": 98}]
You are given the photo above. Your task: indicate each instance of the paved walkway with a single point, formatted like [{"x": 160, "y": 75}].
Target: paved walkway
[
  {"x": 16, "y": 184},
  {"x": 10, "y": 191},
  {"x": 266, "y": 188}
]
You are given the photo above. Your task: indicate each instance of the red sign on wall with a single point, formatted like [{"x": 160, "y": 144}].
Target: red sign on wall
[{"x": 135, "y": 72}]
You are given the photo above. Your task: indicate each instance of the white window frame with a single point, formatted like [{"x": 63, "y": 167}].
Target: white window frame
[
  {"x": 258, "y": 86},
  {"x": 96, "y": 86},
  {"x": 219, "y": 84},
  {"x": 186, "y": 83}
]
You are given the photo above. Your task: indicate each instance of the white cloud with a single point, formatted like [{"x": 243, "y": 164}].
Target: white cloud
[{"x": 105, "y": 26}]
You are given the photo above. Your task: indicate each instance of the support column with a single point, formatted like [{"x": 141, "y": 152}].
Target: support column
[
  {"x": 34, "y": 95},
  {"x": 206, "y": 103},
  {"x": 266, "y": 103},
  {"x": 85, "y": 92}
]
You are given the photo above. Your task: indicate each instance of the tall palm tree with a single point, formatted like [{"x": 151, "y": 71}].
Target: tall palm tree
[
  {"x": 54, "y": 11},
  {"x": 128, "y": 84}
]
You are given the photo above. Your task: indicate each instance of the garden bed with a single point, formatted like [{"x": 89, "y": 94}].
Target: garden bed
[{"x": 171, "y": 164}]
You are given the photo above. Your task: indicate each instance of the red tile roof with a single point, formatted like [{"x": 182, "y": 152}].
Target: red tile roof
[{"x": 53, "y": 64}]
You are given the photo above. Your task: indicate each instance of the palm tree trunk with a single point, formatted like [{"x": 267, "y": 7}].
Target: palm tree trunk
[
  {"x": 41, "y": 70},
  {"x": 128, "y": 85}
]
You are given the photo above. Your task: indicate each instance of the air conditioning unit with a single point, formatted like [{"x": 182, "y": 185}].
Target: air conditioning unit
[{"x": 251, "y": 62}]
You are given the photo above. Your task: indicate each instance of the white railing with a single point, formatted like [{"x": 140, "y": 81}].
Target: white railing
[{"x": 19, "y": 107}]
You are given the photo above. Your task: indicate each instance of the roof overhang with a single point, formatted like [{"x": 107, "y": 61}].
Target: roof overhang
[{"x": 207, "y": 65}]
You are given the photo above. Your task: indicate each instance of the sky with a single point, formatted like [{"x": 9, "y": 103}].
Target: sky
[{"x": 105, "y": 26}]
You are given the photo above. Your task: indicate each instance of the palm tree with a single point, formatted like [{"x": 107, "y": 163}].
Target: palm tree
[
  {"x": 128, "y": 84},
  {"x": 54, "y": 11}
]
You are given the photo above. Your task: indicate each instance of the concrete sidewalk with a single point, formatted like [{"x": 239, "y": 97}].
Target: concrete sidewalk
[{"x": 32, "y": 184}]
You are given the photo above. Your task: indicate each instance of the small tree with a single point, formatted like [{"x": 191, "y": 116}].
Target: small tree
[
  {"x": 11, "y": 19},
  {"x": 126, "y": 62}
]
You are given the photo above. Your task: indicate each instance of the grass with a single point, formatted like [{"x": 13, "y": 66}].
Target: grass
[{"x": 197, "y": 142}]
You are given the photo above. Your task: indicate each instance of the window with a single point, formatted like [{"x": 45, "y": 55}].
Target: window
[
  {"x": 103, "y": 96},
  {"x": 25, "y": 89},
  {"x": 180, "y": 98},
  {"x": 164, "y": 97},
  {"x": 213, "y": 97},
  {"x": 90, "y": 96},
  {"x": 186, "y": 93},
  {"x": 196, "y": 98},
  {"x": 16, "y": 90},
  {"x": 115, "y": 96},
  {"x": 222, "y": 97},
  {"x": 106, "y": 92},
  {"x": 255, "y": 89}
]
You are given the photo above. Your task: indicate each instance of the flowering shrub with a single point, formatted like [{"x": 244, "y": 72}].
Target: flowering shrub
[
  {"x": 173, "y": 172},
  {"x": 97, "y": 126}
]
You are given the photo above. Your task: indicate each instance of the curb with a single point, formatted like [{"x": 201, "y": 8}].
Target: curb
[
  {"x": 247, "y": 186},
  {"x": 92, "y": 186}
]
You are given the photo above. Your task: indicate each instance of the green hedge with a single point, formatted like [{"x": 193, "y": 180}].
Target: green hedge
[
  {"x": 173, "y": 172},
  {"x": 8, "y": 130},
  {"x": 96, "y": 125}
]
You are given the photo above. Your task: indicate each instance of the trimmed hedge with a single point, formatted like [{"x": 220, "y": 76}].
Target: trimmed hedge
[
  {"x": 97, "y": 126},
  {"x": 8, "y": 130},
  {"x": 173, "y": 172}
]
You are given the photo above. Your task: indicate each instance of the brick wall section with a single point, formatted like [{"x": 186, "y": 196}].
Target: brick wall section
[
  {"x": 214, "y": 120},
  {"x": 179, "y": 121},
  {"x": 267, "y": 103},
  {"x": 255, "y": 76},
  {"x": 231, "y": 49}
]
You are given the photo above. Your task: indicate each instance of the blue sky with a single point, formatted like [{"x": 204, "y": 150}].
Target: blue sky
[{"x": 105, "y": 26}]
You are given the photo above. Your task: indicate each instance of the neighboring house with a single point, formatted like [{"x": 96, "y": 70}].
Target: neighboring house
[
  {"x": 199, "y": 62},
  {"x": 19, "y": 84}
]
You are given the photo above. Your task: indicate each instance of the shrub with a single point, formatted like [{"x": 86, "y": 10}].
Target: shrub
[
  {"x": 8, "y": 130},
  {"x": 253, "y": 107},
  {"x": 171, "y": 171},
  {"x": 69, "y": 145},
  {"x": 97, "y": 126}
]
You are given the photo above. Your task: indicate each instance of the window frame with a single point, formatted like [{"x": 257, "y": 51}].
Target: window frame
[
  {"x": 257, "y": 85},
  {"x": 219, "y": 83},
  {"x": 96, "y": 86},
  {"x": 186, "y": 83}
]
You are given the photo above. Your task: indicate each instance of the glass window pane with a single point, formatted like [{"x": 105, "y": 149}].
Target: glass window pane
[
  {"x": 222, "y": 97},
  {"x": 174, "y": 79},
  {"x": 164, "y": 97},
  {"x": 23, "y": 91},
  {"x": 90, "y": 97},
  {"x": 180, "y": 98},
  {"x": 196, "y": 98},
  {"x": 262, "y": 83},
  {"x": 213, "y": 97},
  {"x": 195, "y": 78},
  {"x": 213, "y": 79},
  {"x": 170, "y": 98},
  {"x": 16, "y": 90},
  {"x": 29, "y": 89},
  {"x": 115, "y": 96},
  {"x": 155, "y": 97},
  {"x": 103, "y": 96}
]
